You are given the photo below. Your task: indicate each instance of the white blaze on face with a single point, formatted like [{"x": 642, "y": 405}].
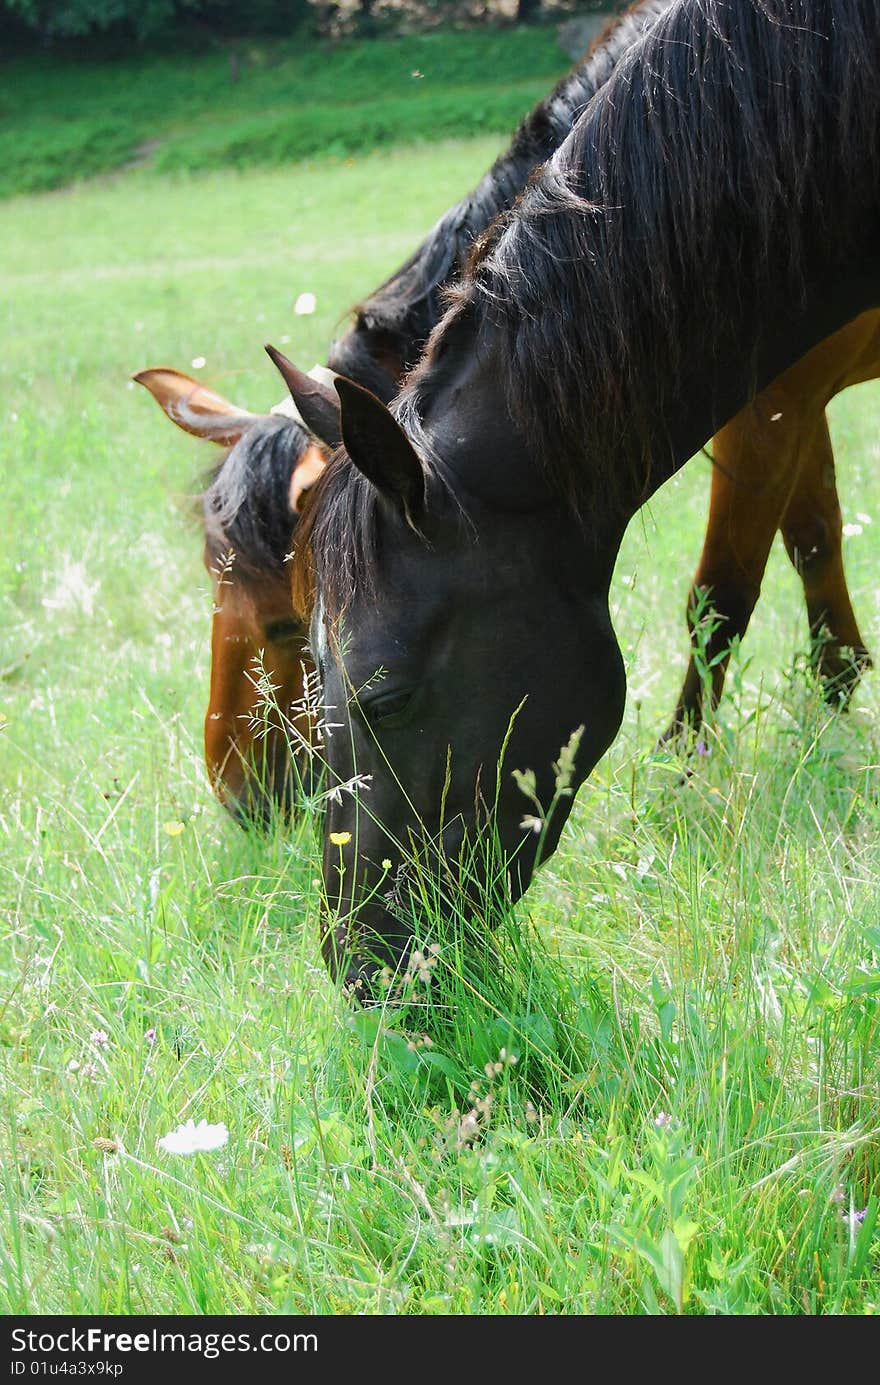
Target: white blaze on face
[{"x": 318, "y": 635}]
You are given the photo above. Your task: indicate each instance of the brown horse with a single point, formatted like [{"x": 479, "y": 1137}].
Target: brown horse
[
  {"x": 774, "y": 469},
  {"x": 258, "y": 704}
]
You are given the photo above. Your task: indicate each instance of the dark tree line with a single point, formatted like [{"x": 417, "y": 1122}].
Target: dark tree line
[
  {"x": 147, "y": 18},
  {"x": 143, "y": 19}
]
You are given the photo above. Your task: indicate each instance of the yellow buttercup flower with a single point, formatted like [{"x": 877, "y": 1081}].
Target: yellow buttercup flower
[
  {"x": 174, "y": 829},
  {"x": 340, "y": 838}
]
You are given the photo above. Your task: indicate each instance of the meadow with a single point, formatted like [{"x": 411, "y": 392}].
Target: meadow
[{"x": 655, "y": 1090}]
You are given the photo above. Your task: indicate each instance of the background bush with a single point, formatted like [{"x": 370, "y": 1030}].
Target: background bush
[
  {"x": 67, "y": 117},
  {"x": 142, "y": 20}
]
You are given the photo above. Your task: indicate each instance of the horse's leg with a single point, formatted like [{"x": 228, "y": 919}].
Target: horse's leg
[
  {"x": 812, "y": 527},
  {"x": 756, "y": 456},
  {"x": 775, "y": 470}
]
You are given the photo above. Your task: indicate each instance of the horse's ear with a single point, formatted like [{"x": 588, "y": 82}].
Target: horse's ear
[
  {"x": 318, "y": 406},
  {"x": 194, "y": 407},
  {"x": 378, "y": 447},
  {"x": 305, "y": 474}
]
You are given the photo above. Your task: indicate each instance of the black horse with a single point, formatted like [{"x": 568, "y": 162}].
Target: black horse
[
  {"x": 714, "y": 213},
  {"x": 250, "y": 506}
]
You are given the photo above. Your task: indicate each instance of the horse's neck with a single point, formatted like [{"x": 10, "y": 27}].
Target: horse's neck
[
  {"x": 694, "y": 236},
  {"x": 471, "y": 430},
  {"x": 468, "y": 426}
]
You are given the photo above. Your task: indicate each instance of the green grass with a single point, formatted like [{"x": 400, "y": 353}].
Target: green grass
[
  {"x": 690, "y": 988},
  {"x": 63, "y": 120}
]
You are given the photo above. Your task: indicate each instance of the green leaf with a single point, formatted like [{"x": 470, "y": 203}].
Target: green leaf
[
  {"x": 671, "y": 1271},
  {"x": 441, "y": 1062},
  {"x": 685, "y": 1230}
]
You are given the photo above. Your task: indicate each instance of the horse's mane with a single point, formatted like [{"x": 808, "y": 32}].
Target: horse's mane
[
  {"x": 340, "y": 512},
  {"x": 245, "y": 503},
  {"x": 664, "y": 208},
  {"x": 402, "y": 312}
]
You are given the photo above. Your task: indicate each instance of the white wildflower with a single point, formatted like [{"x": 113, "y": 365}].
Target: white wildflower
[{"x": 194, "y": 1139}]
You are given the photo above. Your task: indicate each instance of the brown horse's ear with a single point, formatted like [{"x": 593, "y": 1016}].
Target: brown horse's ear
[
  {"x": 194, "y": 407},
  {"x": 378, "y": 447},
  {"x": 305, "y": 474},
  {"x": 317, "y": 405}
]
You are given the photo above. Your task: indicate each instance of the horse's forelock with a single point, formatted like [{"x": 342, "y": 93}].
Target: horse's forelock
[
  {"x": 245, "y": 503},
  {"x": 336, "y": 544}
]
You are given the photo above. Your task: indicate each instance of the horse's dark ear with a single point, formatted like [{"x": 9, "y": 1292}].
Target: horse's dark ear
[
  {"x": 318, "y": 406},
  {"x": 378, "y": 447}
]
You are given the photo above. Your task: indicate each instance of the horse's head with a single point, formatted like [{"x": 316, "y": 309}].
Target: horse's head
[
  {"x": 470, "y": 675},
  {"x": 258, "y": 703}
]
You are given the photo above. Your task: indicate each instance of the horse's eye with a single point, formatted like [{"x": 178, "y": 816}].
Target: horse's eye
[{"x": 382, "y": 711}]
